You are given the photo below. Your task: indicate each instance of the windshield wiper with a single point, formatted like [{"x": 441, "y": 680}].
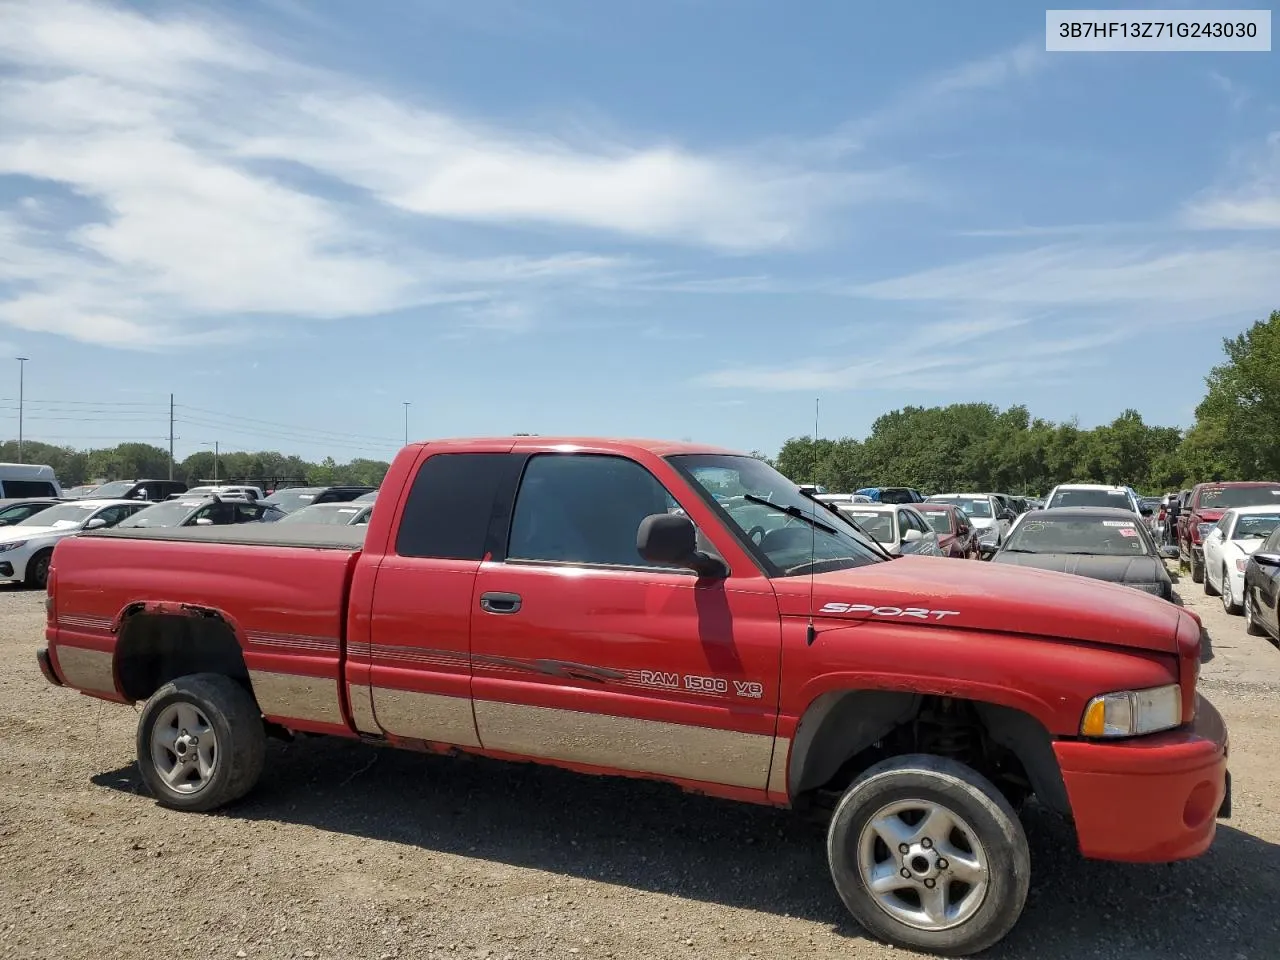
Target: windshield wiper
[{"x": 790, "y": 511}]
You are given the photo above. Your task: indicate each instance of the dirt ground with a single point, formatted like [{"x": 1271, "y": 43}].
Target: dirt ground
[{"x": 348, "y": 851}]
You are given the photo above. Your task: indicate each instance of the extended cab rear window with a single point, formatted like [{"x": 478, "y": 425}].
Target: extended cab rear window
[{"x": 451, "y": 503}]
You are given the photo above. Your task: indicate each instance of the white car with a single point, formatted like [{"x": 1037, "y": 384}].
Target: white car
[
  {"x": 1227, "y": 548},
  {"x": 988, "y": 515},
  {"x": 26, "y": 547},
  {"x": 898, "y": 527},
  {"x": 1093, "y": 495}
]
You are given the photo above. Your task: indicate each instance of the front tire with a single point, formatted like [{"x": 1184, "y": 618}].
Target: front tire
[
  {"x": 1228, "y": 601},
  {"x": 927, "y": 854},
  {"x": 37, "y": 577},
  {"x": 1251, "y": 625},
  {"x": 201, "y": 742},
  {"x": 1209, "y": 589}
]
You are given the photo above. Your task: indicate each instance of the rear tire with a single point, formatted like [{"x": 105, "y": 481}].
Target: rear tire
[
  {"x": 1197, "y": 571},
  {"x": 37, "y": 577},
  {"x": 965, "y": 858},
  {"x": 201, "y": 742}
]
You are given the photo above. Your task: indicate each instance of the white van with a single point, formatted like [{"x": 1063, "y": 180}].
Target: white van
[{"x": 28, "y": 480}]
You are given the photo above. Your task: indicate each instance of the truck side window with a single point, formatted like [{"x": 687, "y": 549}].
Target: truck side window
[
  {"x": 451, "y": 502},
  {"x": 584, "y": 508}
]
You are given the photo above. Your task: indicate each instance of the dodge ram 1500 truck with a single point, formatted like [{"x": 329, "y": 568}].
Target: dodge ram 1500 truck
[{"x": 669, "y": 611}]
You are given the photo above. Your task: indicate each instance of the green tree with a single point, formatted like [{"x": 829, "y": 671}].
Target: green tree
[{"x": 1241, "y": 411}]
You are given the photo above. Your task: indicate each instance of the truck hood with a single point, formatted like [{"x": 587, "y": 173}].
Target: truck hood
[
  {"x": 1207, "y": 516},
  {"x": 998, "y": 598}
]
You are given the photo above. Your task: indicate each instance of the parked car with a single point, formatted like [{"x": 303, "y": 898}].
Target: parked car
[
  {"x": 27, "y": 547},
  {"x": 892, "y": 494},
  {"x": 15, "y": 511},
  {"x": 957, "y": 537},
  {"x": 367, "y": 497},
  {"x": 79, "y": 492},
  {"x": 151, "y": 490},
  {"x": 352, "y": 514},
  {"x": 989, "y": 516},
  {"x": 295, "y": 498},
  {"x": 237, "y": 491},
  {"x": 1262, "y": 589},
  {"x": 791, "y": 665},
  {"x": 833, "y": 499},
  {"x": 202, "y": 512},
  {"x": 1204, "y": 508},
  {"x": 28, "y": 480},
  {"x": 1227, "y": 549},
  {"x": 1093, "y": 495},
  {"x": 1103, "y": 543},
  {"x": 898, "y": 527}
]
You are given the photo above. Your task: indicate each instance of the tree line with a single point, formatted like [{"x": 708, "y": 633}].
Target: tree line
[
  {"x": 963, "y": 446},
  {"x": 977, "y": 446},
  {"x": 145, "y": 461}
]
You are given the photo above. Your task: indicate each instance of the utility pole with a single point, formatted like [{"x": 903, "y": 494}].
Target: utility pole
[
  {"x": 22, "y": 370},
  {"x": 171, "y": 436},
  {"x": 406, "y": 422},
  {"x": 215, "y": 463}
]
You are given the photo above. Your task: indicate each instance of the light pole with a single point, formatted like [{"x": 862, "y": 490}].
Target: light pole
[
  {"x": 22, "y": 371},
  {"x": 406, "y": 422},
  {"x": 215, "y": 460}
]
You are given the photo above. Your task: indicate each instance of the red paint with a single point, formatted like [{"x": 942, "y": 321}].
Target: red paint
[{"x": 1039, "y": 642}]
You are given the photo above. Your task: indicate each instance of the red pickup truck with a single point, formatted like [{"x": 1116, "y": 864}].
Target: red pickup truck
[
  {"x": 670, "y": 611},
  {"x": 1205, "y": 507}
]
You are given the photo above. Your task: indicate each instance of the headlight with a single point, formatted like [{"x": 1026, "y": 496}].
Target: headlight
[
  {"x": 1204, "y": 528},
  {"x": 1131, "y": 713},
  {"x": 13, "y": 545}
]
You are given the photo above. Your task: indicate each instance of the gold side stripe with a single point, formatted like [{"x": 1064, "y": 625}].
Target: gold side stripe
[
  {"x": 289, "y": 695},
  {"x": 87, "y": 669},
  {"x": 625, "y": 743},
  {"x": 426, "y": 716}
]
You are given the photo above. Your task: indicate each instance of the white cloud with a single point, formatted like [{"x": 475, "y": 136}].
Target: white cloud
[
  {"x": 1248, "y": 200},
  {"x": 176, "y": 134}
]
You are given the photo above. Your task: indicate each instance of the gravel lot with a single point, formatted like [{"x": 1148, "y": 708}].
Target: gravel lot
[{"x": 347, "y": 851}]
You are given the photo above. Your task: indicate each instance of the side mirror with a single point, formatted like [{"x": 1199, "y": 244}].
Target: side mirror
[
  {"x": 204, "y": 522},
  {"x": 912, "y": 536},
  {"x": 1169, "y": 552},
  {"x": 671, "y": 539},
  {"x": 97, "y": 523},
  {"x": 1268, "y": 559},
  {"x": 988, "y": 550}
]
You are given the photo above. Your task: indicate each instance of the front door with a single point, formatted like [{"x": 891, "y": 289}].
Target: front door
[{"x": 584, "y": 653}]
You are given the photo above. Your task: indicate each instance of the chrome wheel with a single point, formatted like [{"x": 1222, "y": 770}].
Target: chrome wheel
[
  {"x": 184, "y": 748},
  {"x": 923, "y": 865}
]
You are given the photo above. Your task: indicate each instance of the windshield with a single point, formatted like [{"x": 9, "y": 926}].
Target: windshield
[
  {"x": 294, "y": 498},
  {"x": 979, "y": 507},
  {"x": 1091, "y": 498},
  {"x": 1255, "y": 526},
  {"x": 113, "y": 490},
  {"x": 878, "y": 525},
  {"x": 787, "y": 544},
  {"x": 1081, "y": 535},
  {"x": 938, "y": 519},
  {"x": 63, "y": 515},
  {"x": 896, "y": 495},
  {"x": 171, "y": 513},
  {"x": 331, "y": 513},
  {"x": 1220, "y": 498}
]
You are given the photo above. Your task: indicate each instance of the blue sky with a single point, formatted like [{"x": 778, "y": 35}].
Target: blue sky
[{"x": 676, "y": 218}]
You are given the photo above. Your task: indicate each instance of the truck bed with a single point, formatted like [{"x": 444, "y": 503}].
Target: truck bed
[{"x": 322, "y": 536}]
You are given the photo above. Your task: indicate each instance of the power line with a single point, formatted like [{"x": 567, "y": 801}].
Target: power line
[
  {"x": 284, "y": 426},
  {"x": 242, "y": 430}
]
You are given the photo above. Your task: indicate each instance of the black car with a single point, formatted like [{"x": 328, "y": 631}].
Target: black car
[
  {"x": 1262, "y": 589},
  {"x": 295, "y": 498},
  {"x": 16, "y": 510},
  {"x": 201, "y": 512},
  {"x": 1103, "y": 543},
  {"x": 153, "y": 490}
]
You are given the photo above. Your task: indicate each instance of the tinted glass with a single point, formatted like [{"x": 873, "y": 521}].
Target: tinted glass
[
  {"x": 168, "y": 514},
  {"x": 450, "y": 505},
  {"x": 1255, "y": 526},
  {"x": 775, "y": 535},
  {"x": 247, "y": 512},
  {"x": 63, "y": 515},
  {"x": 897, "y": 495},
  {"x": 1220, "y": 498},
  {"x": 29, "y": 488},
  {"x": 294, "y": 498},
  {"x": 578, "y": 508},
  {"x": 1078, "y": 535},
  {"x": 1091, "y": 498},
  {"x": 939, "y": 520},
  {"x": 20, "y": 511}
]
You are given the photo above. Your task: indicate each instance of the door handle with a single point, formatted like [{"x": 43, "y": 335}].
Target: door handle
[{"x": 500, "y": 602}]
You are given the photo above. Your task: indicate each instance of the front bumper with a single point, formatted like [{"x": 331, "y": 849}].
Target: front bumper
[{"x": 1149, "y": 799}]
